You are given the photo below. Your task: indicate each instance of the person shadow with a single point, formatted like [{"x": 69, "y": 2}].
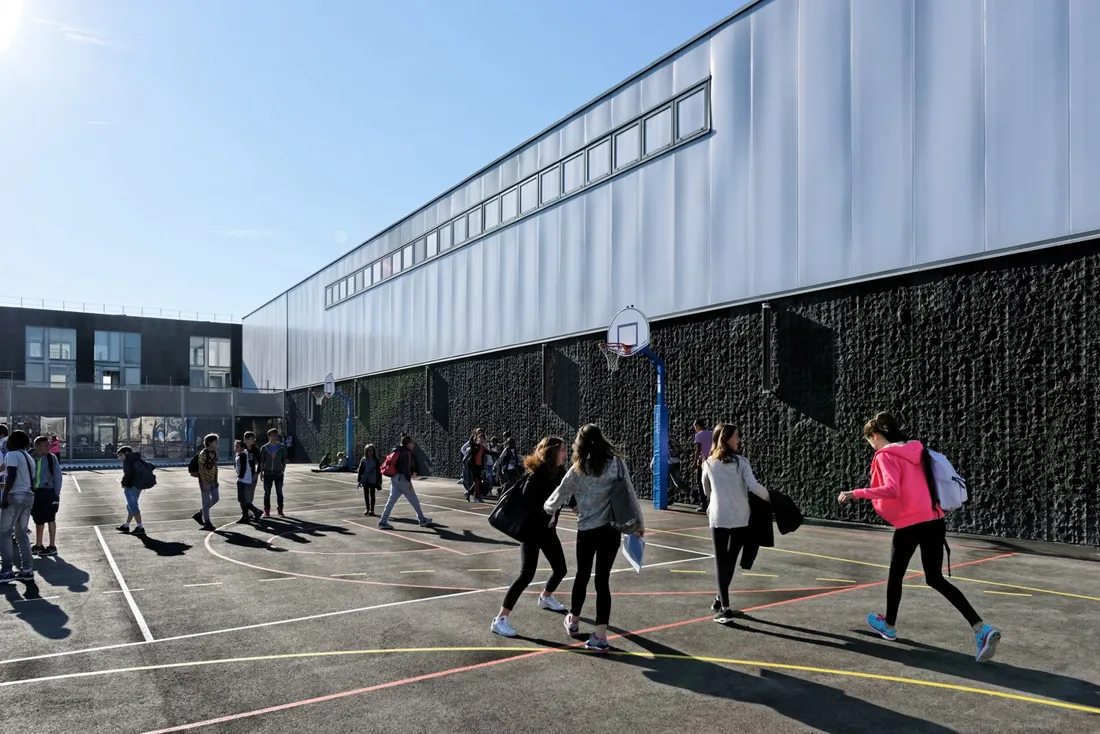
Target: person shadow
[
  {"x": 934, "y": 659},
  {"x": 55, "y": 571},
  {"x": 250, "y": 541},
  {"x": 814, "y": 705},
  {"x": 443, "y": 532},
  {"x": 164, "y": 547},
  {"x": 43, "y": 616}
]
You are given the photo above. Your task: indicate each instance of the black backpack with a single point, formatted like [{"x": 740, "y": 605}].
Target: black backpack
[
  {"x": 511, "y": 513},
  {"x": 143, "y": 477},
  {"x": 193, "y": 466}
]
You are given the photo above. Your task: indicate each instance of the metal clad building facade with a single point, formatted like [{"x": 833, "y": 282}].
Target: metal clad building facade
[{"x": 799, "y": 144}]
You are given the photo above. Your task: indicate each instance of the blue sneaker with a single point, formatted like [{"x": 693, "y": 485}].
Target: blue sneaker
[
  {"x": 987, "y": 639},
  {"x": 877, "y": 622},
  {"x": 596, "y": 644}
]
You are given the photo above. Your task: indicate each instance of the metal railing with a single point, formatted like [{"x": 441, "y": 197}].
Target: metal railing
[{"x": 140, "y": 311}]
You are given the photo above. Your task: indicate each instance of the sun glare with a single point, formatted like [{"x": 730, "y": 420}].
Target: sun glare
[{"x": 10, "y": 13}]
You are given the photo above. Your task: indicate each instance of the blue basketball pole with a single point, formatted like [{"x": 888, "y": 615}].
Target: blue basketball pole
[
  {"x": 349, "y": 429},
  {"x": 660, "y": 434}
]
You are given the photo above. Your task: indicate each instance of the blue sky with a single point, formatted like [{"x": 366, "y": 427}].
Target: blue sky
[{"x": 208, "y": 154}]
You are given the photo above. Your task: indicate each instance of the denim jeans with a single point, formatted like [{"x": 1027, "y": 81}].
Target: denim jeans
[
  {"x": 15, "y": 518},
  {"x": 277, "y": 480},
  {"x": 400, "y": 486},
  {"x": 209, "y": 499},
  {"x": 132, "y": 497}
]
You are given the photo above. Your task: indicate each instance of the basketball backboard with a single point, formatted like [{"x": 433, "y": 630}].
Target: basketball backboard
[
  {"x": 629, "y": 328},
  {"x": 330, "y": 386}
]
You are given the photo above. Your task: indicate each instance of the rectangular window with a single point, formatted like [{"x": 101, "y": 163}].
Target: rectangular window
[
  {"x": 376, "y": 271},
  {"x": 219, "y": 353},
  {"x": 551, "y": 184},
  {"x": 599, "y": 160},
  {"x": 407, "y": 257},
  {"x": 36, "y": 373},
  {"x": 131, "y": 348},
  {"x": 508, "y": 203},
  {"x": 395, "y": 260},
  {"x": 198, "y": 378},
  {"x": 62, "y": 343},
  {"x": 351, "y": 284},
  {"x": 217, "y": 379},
  {"x": 35, "y": 338},
  {"x": 328, "y": 296},
  {"x": 59, "y": 377},
  {"x": 492, "y": 214},
  {"x": 628, "y": 146},
  {"x": 342, "y": 290},
  {"x": 528, "y": 195},
  {"x": 475, "y": 223},
  {"x": 658, "y": 131},
  {"x": 691, "y": 114},
  {"x": 445, "y": 238},
  {"x": 107, "y": 346},
  {"x": 359, "y": 284},
  {"x": 418, "y": 250},
  {"x": 460, "y": 230},
  {"x": 387, "y": 267},
  {"x": 198, "y": 352},
  {"x": 433, "y": 244},
  {"x": 133, "y": 376},
  {"x": 574, "y": 173}
]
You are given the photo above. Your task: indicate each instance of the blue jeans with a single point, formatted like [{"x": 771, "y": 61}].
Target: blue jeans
[
  {"x": 132, "y": 496},
  {"x": 401, "y": 487},
  {"x": 16, "y": 518},
  {"x": 209, "y": 499}
]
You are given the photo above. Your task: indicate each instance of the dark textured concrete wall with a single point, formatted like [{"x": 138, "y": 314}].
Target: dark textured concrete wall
[{"x": 997, "y": 364}]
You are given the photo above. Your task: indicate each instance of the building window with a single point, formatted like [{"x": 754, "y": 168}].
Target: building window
[
  {"x": 351, "y": 284},
  {"x": 211, "y": 359},
  {"x": 658, "y": 131},
  {"x": 387, "y": 267},
  {"x": 407, "y": 257},
  {"x": 460, "y": 230},
  {"x": 396, "y": 262},
  {"x": 445, "y": 239},
  {"x": 433, "y": 244},
  {"x": 475, "y": 223},
  {"x": 691, "y": 114},
  {"x": 198, "y": 351},
  {"x": 51, "y": 356},
  {"x": 599, "y": 160},
  {"x": 574, "y": 173},
  {"x": 528, "y": 195},
  {"x": 508, "y": 203},
  {"x": 117, "y": 355},
  {"x": 376, "y": 272},
  {"x": 628, "y": 146},
  {"x": 328, "y": 296},
  {"x": 551, "y": 184},
  {"x": 492, "y": 214},
  {"x": 359, "y": 281},
  {"x": 131, "y": 348}
]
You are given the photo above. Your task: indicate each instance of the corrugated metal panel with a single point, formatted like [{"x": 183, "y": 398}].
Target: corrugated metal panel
[
  {"x": 848, "y": 138},
  {"x": 263, "y": 347}
]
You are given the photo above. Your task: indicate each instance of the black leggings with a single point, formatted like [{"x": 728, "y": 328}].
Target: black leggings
[
  {"x": 369, "y": 494},
  {"x": 728, "y": 543},
  {"x": 930, "y": 537},
  {"x": 548, "y": 544},
  {"x": 601, "y": 543}
]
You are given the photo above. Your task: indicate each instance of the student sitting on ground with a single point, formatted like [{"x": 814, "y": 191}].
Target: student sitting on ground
[
  {"x": 342, "y": 464},
  {"x": 47, "y": 495}
]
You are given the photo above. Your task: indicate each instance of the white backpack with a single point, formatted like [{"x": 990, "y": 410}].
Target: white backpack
[{"x": 950, "y": 487}]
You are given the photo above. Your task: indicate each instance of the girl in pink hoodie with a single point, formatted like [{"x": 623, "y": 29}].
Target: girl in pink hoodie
[{"x": 903, "y": 493}]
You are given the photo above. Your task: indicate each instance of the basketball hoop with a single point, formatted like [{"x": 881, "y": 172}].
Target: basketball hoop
[
  {"x": 613, "y": 352},
  {"x": 319, "y": 397}
]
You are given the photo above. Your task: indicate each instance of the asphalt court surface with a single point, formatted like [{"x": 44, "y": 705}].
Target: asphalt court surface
[{"x": 320, "y": 620}]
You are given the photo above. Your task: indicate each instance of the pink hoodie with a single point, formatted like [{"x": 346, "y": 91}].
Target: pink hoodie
[{"x": 899, "y": 490}]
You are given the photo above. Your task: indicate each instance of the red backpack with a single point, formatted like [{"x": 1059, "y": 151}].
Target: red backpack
[{"x": 389, "y": 464}]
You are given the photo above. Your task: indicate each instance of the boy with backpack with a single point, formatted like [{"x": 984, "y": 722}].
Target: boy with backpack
[
  {"x": 137, "y": 476},
  {"x": 204, "y": 467},
  {"x": 400, "y": 467},
  {"x": 47, "y": 495}
]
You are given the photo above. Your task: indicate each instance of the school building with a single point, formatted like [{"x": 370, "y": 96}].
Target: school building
[{"x": 825, "y": 208}]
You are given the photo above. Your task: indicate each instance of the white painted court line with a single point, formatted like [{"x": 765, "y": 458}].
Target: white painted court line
[
  {"x": 281, "y": 578},
  {"x": 45, "y": 598},
  {"x": 119, "y": 591},
  {"x": 75, "y": 483},
  {"x": 212, "y": 583},
  {"x": 125, "y": 589}
]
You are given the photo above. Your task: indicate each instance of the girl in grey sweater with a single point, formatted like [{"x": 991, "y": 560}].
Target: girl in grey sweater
[{"x": 590, "y": 480}]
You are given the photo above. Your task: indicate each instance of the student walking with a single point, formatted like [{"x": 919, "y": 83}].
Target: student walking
[
  {"x": 545, "y": 470},
  {"x": 727, "y": 480},
  {"x": 15, "y": 510},
  {"x": 903, "y": 494},
  {"x": 130, "y": 489},
  {"x": 369, "y": 477},
  {"x": 246, "y": 469},
  {"x": 47, "y": 496},
  {"x": 510, "y": 465},
  {"x": 273, "y": 469},
  {"x": 401, "y": 484},
  {"x": 703, "y": 441},
  {"x": 475, "y": 465},
  {"x": 596, "y": 474},
  {"x": 208, "y": 480}
]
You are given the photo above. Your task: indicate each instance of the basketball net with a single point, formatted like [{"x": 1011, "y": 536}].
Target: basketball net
[
  {"x": 319, "y": 396},
  {"x": 613, "y": 353}
]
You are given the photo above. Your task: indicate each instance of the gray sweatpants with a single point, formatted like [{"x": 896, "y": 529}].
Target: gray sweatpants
[
  {"x": 209, "y": 499},
  {"x": 14, "y": 519},
  {"x": 400, "y": 486}
]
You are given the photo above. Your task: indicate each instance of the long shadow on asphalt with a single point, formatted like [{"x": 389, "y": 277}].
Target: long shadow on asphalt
[
  {"x": 248, "y": 541},
  {"x": 44, "y": 617},
  {"x": 293, "y": 529},
  {"x": 164, "y": 547},
  {"x": 58, "y": 572},
  {"x": 815, "y": 705},
  {"x": 940, "y": 660}
]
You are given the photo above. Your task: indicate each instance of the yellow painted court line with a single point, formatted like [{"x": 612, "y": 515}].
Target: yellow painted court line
[
  {"x": 1005, "y": 593},
  {"x": 424, "y": 571},
  {"x": 840, "y": 581},
  {"x": 483, "y": 570},
  {"x": 917, "y": 586},
  {"x": 681, "y": 570},
  {"x": 1028, "y": 588},
  {"x": 762, "y": 575},
  {"x": 524, "y": 651}
]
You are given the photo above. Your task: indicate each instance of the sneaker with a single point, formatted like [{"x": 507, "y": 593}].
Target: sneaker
[
  {"x": 366, "y": 514},
  {"x": 139, "y": 530},
  {"x": 717, "y": 605},
  {"x": 209, "y": 527},
  {"x": 571, "y": 629},
  {"x": 244, "y": 520},
  {"x": 549, "y": 602},
  {"x": 384, "y": 525},
  {"x": 51, "y": 550},
  {"x": 425, "y": 522},
  {"x": 596, "y": 644},
  {"x": 267, "y": 513},
  {"x": 467, "y": 496},
  {"x": 197, "y": 517},
  {"x": 987, "y": 639},
  {"x": 256, "y": 515},
  {"x": 878, "y": 623},
  {"x": 123, "y": 528},
  {"x": 501, "y": 626},
  {"x": 725, "y": 616},
  {"x": 38, "y": 550},
  {"x": 7, "y": 577},
  {"x": 25, "y": 574},
  {"x": 701, "y": 510},
  {"x": 281, "y": 513}
]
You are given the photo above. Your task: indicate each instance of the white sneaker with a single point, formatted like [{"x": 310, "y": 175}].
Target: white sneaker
[
  {"x": 549, "y": 602},
  {"x": 501, "y": 626}
]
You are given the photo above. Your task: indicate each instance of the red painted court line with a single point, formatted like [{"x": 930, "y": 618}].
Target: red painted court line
[
  {"x": 405, "y": 537},
  {"x": 534, "y": 653},
  {"x": 710, "y": 592}
]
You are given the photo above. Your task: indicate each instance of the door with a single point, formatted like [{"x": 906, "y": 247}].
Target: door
[{"x": 106, "y": 439}]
